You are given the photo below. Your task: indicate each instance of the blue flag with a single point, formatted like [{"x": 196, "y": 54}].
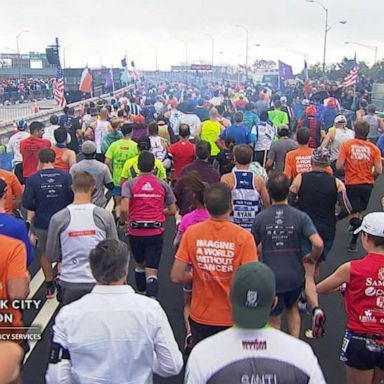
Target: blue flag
[{"x": 285, "y": 71}]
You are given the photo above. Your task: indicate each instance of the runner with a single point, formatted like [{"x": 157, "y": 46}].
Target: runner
[
  {"x": 98, "y": 170},
  {"x": 182, "y": 152},
  {"x": 131, "y": 167},
  {"x": 134, "y": 343},
  {"x": 10, "y": 226},
  {"x": 251, "y": 349},
  {"x": 238, "y": 130},
  {"x": 280, "y": 229},
  {"x": 159, "y": 146},
  {"x": 363, "y": 344},
  {"x": 14, "y": 192},
  {"x": 317, "y": 194},
  {"x": 143, "y": 215},
  {"x": 376, "y": 125},
  {"x": 112, "y": 136},
  {"x": 13, "y": 146},
  {"x": 65, "y": 157},
  {"x": 30, "y": 147},
  {"x": 311, "y": 122},
  {"x": 116, "y": 156},
  {"x": 334, "y": 138},
  {"x": 361, "y": 161},
  {"x": 201, "y": 246},
  {"x": 72, "y": 233},
  {"x": 101, "y": 129},
  {"x": 277, "y": 116},
  {"x": 196, "y": 187},
  {"x": 46, "y": 192},
  {"x": 249, "y": 193},
  {"x": 279, "y": 149},
  {"x": 210, "y": 130}
]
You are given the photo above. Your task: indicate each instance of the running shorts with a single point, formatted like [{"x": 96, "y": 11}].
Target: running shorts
[{"x": 359, "y": 195}]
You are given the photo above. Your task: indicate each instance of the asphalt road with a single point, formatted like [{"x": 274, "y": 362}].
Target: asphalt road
[{"x": 171, "y": 298}]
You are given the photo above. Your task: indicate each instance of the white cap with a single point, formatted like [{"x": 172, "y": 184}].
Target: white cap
[
  {"x": 373, "y": 224},
  {"x": 305, "y": 102},
  {"x": 283, "y": 99},
  {"x": 340, "y": 119}
]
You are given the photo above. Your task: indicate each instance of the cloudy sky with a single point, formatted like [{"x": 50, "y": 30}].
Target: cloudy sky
[{"x": 96, "y": 31}]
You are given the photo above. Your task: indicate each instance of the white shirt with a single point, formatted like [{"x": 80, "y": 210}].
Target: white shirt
[
  {"x": 192, "y": 120},
  {"x": 114, "y": 336},
  {"x": 253, "y": 356},
  {"x": 13, "y": 146}
]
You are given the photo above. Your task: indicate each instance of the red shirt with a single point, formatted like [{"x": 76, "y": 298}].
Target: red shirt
[
  {"x": 364, "y": 297},
  {"x": 29, "y": 149},
  {"x": 183, "y": 153}
]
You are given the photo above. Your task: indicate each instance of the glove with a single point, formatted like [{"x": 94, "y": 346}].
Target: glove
[{"x": 318, "y": 321}]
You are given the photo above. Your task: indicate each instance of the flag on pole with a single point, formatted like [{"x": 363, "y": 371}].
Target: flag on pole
[
  {"x": 285, "y": 71},
  {"x": 109, "y": 79},
  {"x": 58, "y": 86},
  {"x": 85, "y": 81},
  {"x": 351, "y": 79}
]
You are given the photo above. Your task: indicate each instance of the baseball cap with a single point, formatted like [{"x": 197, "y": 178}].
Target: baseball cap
[
  {"x": 311, "y": 110},
  {"x": 305, "y": 102},
  {"x": 373, "y": 224},
  {"x": 21, "y": 125},
  {"x": 3, "y": 187},
  {"x": 281, "y": 127},
  {"x": 321, "y": 156},
  {"x": 340, "y": 119},
  {"x": 252, "y": 294},
  {"x": 283, "y": 99},
  {"x": 88, "y": 147}
]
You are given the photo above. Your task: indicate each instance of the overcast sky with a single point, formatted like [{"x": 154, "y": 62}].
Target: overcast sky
[{"x": 96, "y": 31}]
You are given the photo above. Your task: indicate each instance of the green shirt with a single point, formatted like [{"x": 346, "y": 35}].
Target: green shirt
[
  {"x": 131, "y": 169},
  {"x": 119, "y": 152},
  {"x": 278, "y": 117}
]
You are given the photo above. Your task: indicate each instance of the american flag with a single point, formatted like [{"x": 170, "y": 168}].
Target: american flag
[
  {"x": 351, "y": 79},
  {"x": 58, "y": 86}
]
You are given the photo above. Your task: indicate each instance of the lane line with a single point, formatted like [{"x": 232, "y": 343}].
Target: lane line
[
  {"x": 42, "y": 320},
  {"x": 37, "y": 282}
]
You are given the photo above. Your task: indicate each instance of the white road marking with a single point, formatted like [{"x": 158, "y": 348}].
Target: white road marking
[{"x": 36, "y": 282}]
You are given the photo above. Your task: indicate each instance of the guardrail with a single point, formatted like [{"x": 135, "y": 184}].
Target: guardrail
[{"x": 7, "y": 127}]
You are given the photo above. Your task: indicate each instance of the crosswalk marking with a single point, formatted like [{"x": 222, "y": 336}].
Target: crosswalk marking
[{"x": 36, "y": 282}]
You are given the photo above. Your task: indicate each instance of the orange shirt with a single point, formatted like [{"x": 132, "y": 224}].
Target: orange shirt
[
  {"x": 360, "y": 156},
  {"x": 299, "y": 161},
  {"x": 14, "y": 189},
  {"x": 13, "y": 265},
  {"x": 60, "y": 164},
  {"x": 215, "y": 249}
]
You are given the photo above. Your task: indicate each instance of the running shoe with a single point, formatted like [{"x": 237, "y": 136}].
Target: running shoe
[
  {"x": 302, "y": 303},
  {"x": 51, "y": 290},
  {"x": 188, "y": 344},
  {"x": 352, "y": 248}
]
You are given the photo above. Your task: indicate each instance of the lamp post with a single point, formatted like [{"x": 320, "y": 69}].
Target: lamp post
[
  {"x": 372, "y": 47},
  {"x": 186, "y": 56},
  {"x": 246, "y": 49},
  {"x": 155, "y": 49},
  {"x": 327, "y": 28},
  {"x": 18, "y": 50},
  {"x": 212, "y": 53}
]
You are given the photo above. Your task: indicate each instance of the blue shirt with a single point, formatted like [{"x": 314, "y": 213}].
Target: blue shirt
[
  {"x": 239, "y": 132},
  {"x": 47, "y": 192},
  {"x": 328, "y": 117},
  {"x": 12, "y": 227},
  {"x": 380, "y": 144}
]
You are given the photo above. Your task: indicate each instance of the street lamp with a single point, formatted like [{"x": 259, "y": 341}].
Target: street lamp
[
  {"x": 155, "y": 48},
  {"x": 186, "y": 55},
  {"x": 327, "y": 28},
  {"x": 372, "y": 47},
  {"x": 246, "y": 49},
  {"x": 18, "y": 50}
]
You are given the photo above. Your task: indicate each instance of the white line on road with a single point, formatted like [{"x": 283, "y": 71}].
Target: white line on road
[{"x": 36, "y": 282}]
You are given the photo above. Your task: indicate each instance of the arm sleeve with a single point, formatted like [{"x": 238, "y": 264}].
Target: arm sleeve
[
  {"x": 29, "y": 197},
  {"x": 104, "y": 220},
  {"x": 58, "y": 223},
  {"x": 168, "y": 359}
]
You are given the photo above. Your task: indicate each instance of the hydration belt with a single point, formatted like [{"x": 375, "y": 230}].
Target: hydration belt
[{"x": 146, "y": 224}]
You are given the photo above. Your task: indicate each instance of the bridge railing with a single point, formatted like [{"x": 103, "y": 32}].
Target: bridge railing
[{"x": 7, "y": 127}]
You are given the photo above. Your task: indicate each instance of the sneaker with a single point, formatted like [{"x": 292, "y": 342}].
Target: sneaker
[
  {"x": 302, "y": 303},
  {"x": 188, "y": 344},
  {"x": 51, "y": 290},
  {"x": 352, "y": 248}
]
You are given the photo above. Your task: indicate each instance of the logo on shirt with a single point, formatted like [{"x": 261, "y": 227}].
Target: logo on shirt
[
  {"x": 381, "y": 274},
  {"x": 90, "y": 232},
  {"x": 254, "y": 345},
  {"x": 251, "y": 299},
  {"x": 147, "y": 187}
]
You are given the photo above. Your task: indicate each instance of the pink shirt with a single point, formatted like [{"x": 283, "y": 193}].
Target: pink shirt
[{"x": 194, "y": 217}]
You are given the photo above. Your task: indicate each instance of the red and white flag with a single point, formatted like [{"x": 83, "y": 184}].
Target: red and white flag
[
  {"x": 351, "y": 79},
  {"x": 58, "y": 87},
  {"x": 85, "y": 81}
]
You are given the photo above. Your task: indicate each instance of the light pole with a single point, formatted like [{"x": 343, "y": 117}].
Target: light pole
[
  {"x": 246, "y": 49},
  {"x": 327, "y": 28},
  {"x": 372, "y": 47},
  {"x": 18, "y": 50},
  {"x": 186, "y": 56},
  {"x": 212, "y": 53},
  {"x": 155, "y": 48}
]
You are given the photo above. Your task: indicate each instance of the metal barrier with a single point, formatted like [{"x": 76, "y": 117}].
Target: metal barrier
[{"x": 7, "y": 127}]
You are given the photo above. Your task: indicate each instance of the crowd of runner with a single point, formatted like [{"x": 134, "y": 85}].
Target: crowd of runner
[
  {"x": 256, "y": 180},
  {"x": 19, "y": 90}
]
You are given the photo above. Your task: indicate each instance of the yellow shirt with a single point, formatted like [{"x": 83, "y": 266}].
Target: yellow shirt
[
  {"x": 210, "y": 131},
  {"x": 131, "y": 169}
]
